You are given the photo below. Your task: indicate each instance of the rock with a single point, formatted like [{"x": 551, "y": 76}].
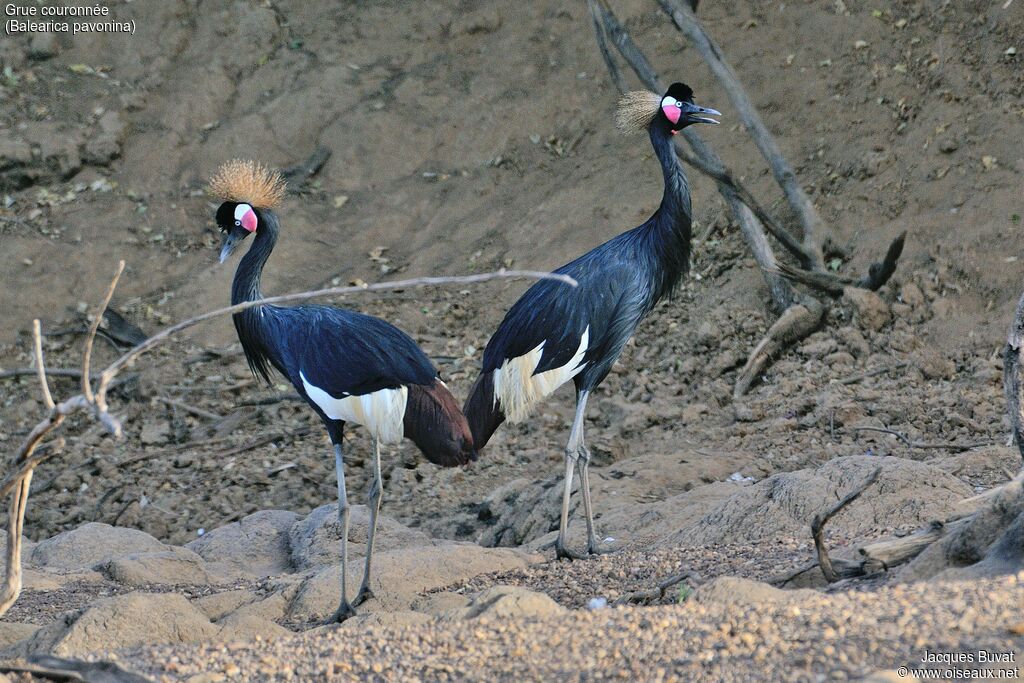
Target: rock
[
  {"x": 399, "y": 576},
  {"x": 732, "y": 590},
  {"x": 154, "y": 432},
  {"x": 242, "y": 626},
  {"x": 43, "y": 46},
  {"x": 105, "y": 144},
  {"x": 315, "y": 541},
  {"x": 870, "y": 311},
  {"x": 934, "y": 365},
  {"x": 486, "y": 20},
  {"x": 170, "y": 567},
  {"x": 854, "y": 341},
  {"x": 270, "y": 608},
  {"x": 59, "y": 148},
  {"x": 219, "y": 605},
  {"x": 440, "y": 604},
  {"x": 91, "y": 544},
  {"x": 123, "y": 621},
  {"x": 258, "y": 544},
  {"x": 511, "y": 602},
  {"x": 11, "y": 633},
  {"x": 912, "y": 295},
  {"x": 361, "y": 622},
  {"x": 907, "y": 493},
  {"x": 948, "y": 145}
]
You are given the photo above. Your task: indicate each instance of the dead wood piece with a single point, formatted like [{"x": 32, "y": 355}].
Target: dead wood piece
[
  {"x": 813, "y": 225},
  {"x": 853, "y": 379},
  {"x": 1013, "y": 383},
  {"x": 658, "y": 592},
  {"x": 819, "y": 522},
  {"x": 297, "y": 175},
  {"x": 797, "y": 322},
  {"x": 188, "y": 408},
  {"x": 833, "y": 284},
  {"x": 882, "y": 555}
]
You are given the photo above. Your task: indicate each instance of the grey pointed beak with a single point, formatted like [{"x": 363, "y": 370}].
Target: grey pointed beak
[
  {"x": 230, "y": 242},
  {"x": 693, "y": 113}
]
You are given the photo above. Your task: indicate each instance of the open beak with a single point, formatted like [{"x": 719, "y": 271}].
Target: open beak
[
  {"x": 230, "y": 242},
  {"x": 693, "y": 113}
]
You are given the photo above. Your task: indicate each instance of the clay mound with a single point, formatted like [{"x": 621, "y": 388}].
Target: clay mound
[{"x": 907, "y": 493}]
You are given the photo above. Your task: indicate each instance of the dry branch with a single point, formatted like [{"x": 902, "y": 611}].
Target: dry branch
[
  {"x": 834, "y": 285},
  {"x": 798, "y": 321},
  {"x": 819, "y": 522},
  {"x": 658, "y": 592},
  {"x": 813, "y": 226},
  {"x": 1013, "y": 383}
]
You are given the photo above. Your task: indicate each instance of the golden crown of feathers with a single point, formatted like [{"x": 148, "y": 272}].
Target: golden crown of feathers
[
  {"x": 636, "y": 110},
  {"x": 248, "y": 181}
]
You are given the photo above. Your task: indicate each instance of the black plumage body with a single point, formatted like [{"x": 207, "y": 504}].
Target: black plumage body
[
  {"x": 620, "y": 282},
  {"x": 344, "y": 353}
]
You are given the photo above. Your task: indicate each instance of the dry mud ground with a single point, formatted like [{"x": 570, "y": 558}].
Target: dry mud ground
[{"x": 471, "y": 136}]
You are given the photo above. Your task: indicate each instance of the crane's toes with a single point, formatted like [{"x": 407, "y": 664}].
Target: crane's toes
[
  {"x": 363, "y": 595},
  {"x": 594, "y": 550},
  {"x": 345, "y": 611},
  {"x": 566, "y": 554}
]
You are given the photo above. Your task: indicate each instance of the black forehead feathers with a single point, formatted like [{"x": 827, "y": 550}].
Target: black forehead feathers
[
  {"x": 226, "y": 214},
  {"x": 681, "y": 92}
]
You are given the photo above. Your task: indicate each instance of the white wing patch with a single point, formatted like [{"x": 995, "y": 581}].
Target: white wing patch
[
  {"x": 382, "y": 411},
  {"x": 518, "y": 390}
]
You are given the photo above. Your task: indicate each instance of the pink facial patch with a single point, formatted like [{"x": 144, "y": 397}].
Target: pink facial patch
[
  {"x": 671, "y": 112},
  {"x": 245, "y": 217}
]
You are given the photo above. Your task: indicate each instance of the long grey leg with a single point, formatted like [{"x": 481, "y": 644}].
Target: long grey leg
[
  {"x": 584, "y": 467},
  {"x": 572, "y": 454},
  {"x": 345, "y": 609},
  {"x": 376, "y": 489}
]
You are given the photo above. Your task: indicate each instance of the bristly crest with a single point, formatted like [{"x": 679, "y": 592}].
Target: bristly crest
[
  {"x": 636, "y": 111},
  {"x": 248, "y": 181}
]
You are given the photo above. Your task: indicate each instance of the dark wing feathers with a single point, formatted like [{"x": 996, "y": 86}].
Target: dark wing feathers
[
  {"x": 344, "y": 352},
  {"x": 557, "y": 314}
]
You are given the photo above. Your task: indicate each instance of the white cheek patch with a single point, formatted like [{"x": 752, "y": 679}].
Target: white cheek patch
[
  {"x": 669, "y": 101},
  {"x": 518, "y": 390},
  {"x": 382, "y": 412},
  {"x": 241, "y": 210}
]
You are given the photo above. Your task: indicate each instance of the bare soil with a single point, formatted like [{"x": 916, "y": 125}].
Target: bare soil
[{"x": 471, "y": 136}]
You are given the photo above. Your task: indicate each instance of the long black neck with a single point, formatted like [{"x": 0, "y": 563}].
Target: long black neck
[
  {"x": 670, "y": 224},
  {"x": 251, "y": 323}
]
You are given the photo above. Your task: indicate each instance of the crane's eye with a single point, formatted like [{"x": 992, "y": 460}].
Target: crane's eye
[{"x": 238, "y": 223}]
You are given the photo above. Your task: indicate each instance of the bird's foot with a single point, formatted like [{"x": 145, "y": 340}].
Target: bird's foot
[
  {"x": 593, "y": 550},
  {"x": 563, "y": 553},
  {"x": 345, "y": 611},
  {"x": 362, "y": 596}
]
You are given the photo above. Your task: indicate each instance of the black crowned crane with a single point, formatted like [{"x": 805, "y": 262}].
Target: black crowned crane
[
  {"x": 554, "y": 333},
  {"x": 348, "y": 366}
]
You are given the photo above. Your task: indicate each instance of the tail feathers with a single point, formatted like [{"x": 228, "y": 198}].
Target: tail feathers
[
  {"x": 482, "y": 410},
  {"x": 436, "y": 425}
]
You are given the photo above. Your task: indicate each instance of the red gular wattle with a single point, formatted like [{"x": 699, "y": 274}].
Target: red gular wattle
[
  {"x": 249, "y": 220},
  {"x": 672, "y": 113}
]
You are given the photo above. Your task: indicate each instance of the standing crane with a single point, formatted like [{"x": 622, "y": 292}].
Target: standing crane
[
  {"x": 348, "y": 366},
  {"x": 553, "y": 334}
]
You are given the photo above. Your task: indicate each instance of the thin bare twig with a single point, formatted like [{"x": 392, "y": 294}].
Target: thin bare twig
[
  {"x": 884, "y": 430},
  {"x": 819, "y": 522},
  {"x": 111, "y": 370},
  {"x": 853, "y": 379},
  {"x": 37, "y": 348},
  {"x": 91, "y": 337},
  {"x": 198, "y": 412}
]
